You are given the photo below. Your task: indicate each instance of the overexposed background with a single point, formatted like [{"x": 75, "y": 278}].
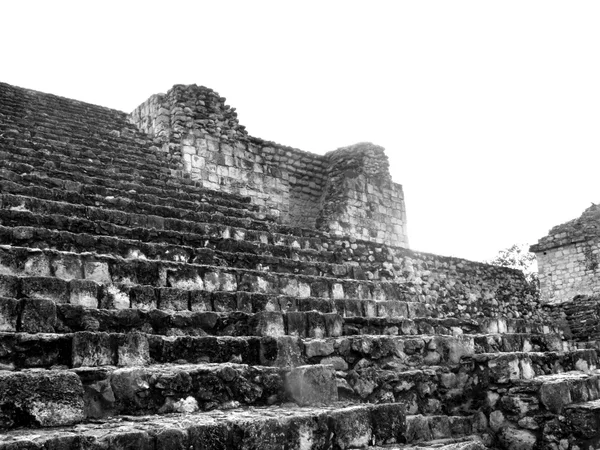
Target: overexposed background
[{"x": 489, "y": 111}]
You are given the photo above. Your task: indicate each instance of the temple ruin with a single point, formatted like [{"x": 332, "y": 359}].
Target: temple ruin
[{"x": 168, "y": 281}]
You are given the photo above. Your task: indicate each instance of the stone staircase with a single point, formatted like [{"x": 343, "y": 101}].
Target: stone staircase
[{"x": 139, "y": 309}]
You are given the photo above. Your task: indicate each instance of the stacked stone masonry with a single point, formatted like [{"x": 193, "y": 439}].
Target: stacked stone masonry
[
  {"x": 348, "y": 192},
  {"x": 569, "y": 258},
  {"x": 148, "y": 301}
]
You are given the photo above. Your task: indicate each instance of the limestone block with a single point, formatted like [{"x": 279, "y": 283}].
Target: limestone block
[
  {"x": 40, "y": 398},
  {"x": 97, "y": 271},
  {"x": 352, "y": 429},
  {"x": 170, "y": 299},
  {"x": 9, "y": 286},
  {"x": 83, "y": 293},
  {"x": 94, "y": 349},
  {"x": 99, "y": 398},
  {"x": 333, "y": 324},
  {"x": 115, "y": 296},
  {"x": 337, "y": 291},
  {"x": 45, "y": 288},
  {"x": 200, "y": 301},
  {"x": 38, "y": 316},
  {"x": 315, "y": 325},
  {"x": 37, "y": 265},
  {"x": 9, "y": 314},
  {"x": 281, "y": 351},
  {"x": 312, "y": 385},
  {"x": 517, "y": 439},
  {"x": 318, "y": 347},
  {"x": 133, "y": 350},
  {"x": 296, "y": 323},
  {"x": 268, "y": 323},
  {"x": 143, "y": 297},
  {"x": 67, "y": 268}
]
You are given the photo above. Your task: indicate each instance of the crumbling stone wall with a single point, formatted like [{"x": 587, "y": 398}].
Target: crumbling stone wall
[
  {"x": 569, "y": 259},
  {"x": 345, "y": 192},
  {"x": 447, "y": 286},
  {"x": 360, "y": 199}
]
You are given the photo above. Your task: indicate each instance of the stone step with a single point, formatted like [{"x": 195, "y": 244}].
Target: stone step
[
  {"x": 150, "y": 229},
  {"x": 162, "y": 389},
  {"x": 506, "y": 368},
  {"x": 273, "y": 427},
  {"x": 450, "y": 325},
  {"x": 259, "y": 259},
  {"x": 61, "y": 127},
  {"x": 315, "y": 324},
  {"x": 134, "y": 160},
  {"x": 582, "y": 425},
  {"x": 46, "y": 293},
  {"x": 96, "y": 348},
  {"x": 293, "y": 239},
  {"x": 25, "y": 175},
  {"x": 149, "y": 178},
  {"x": 106, "y": 145},
  {"x": 170, "y": 388},
  {"x": 43, "y": 105},
  {"x": 144, "y": 225},
  {"x": 465, "y": 443},
  {"x": 108, "y": 270}
]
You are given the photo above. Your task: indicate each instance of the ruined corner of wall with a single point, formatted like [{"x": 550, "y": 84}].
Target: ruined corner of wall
[{"x": 360, "y": 199}]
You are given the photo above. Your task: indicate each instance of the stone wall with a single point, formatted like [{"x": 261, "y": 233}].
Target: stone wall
[
  {"x": 346, "y": 192},
  {"x": 446, "y": 286},
  {"x": 569, "y": 270},
  {"x": 360, "y": 199},
  {"x": 568, "y": 258}
]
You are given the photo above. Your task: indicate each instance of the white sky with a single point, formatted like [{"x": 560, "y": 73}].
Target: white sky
[{"x": 488, "y": 110}]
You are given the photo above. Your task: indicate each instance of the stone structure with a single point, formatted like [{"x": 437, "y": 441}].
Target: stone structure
[
  {"x": 568, "y": 258},
  {"x": 347, "y": 192},
  {"x": 168, "y": 282}
]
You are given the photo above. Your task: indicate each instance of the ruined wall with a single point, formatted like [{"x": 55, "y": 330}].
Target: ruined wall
[
  {"x": 444, "y": 286},
  {"x": 568, "y": 258},
  {"x": 569, "y": 270},
  {"x": 360, "y": 198},
  {"x": 345, "y": 192}
]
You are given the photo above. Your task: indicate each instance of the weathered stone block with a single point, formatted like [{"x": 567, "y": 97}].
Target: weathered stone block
[
  {"x": 94, "y": 349},
  {"x": 334, "y": 324},
  {"x": 9, "y": 286},
  {"x": 173, "y": 299},
  {"x": 84, "y": 293},
  {"x": 318, "y": 347},
  {"x": 351, "y": 428},
  {"x": 224, "y": 301},
  {"x": 40, "y": 398},
  {"x": 38, "y": 316},
  {"x": 201, "y": 301},
  {"x": 143, "y": 297},
  {"x": 312, "y": 385},
  {"x": 37, "y": 265},
  {"x": 115, "y": 296},
  {"x": 295, "y": 323},
  {"x": 9, "y": 314},
  {"x": 67, "y": 267},
  {"x": 315, "y": 325},
  {"x": 97, "y": 271},
  {"x": 281, "y": 351},
  {"x": 45, "y": 288},
  {"x": 268, "y": 323},
  {"x": 133, "y": 350},
  {"x": 388, "y": 423}
]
